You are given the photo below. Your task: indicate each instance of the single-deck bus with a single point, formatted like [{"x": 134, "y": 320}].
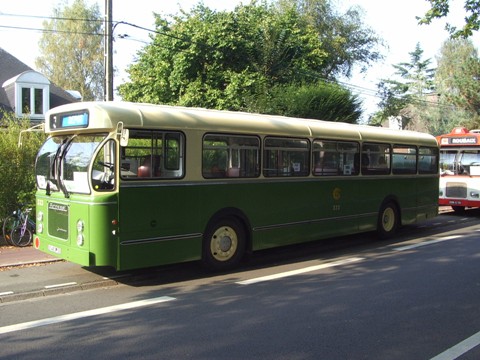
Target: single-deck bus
[
  {"x": 136, "y": 185},
  {"x": 460, "y": 169}
]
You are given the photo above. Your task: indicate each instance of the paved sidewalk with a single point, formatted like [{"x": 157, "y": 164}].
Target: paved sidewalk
[{"x": 16, "y": 256}]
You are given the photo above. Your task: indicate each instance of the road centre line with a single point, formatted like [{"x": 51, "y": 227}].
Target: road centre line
[
  {"x": 461, "y": 348},
  {"x": 299, "y": 271},
  {"x": 425, "y": 243},
  {"x": 83, "y": 314}
]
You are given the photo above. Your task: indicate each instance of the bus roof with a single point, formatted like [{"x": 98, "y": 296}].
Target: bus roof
[{"x": 135, "y": 115}]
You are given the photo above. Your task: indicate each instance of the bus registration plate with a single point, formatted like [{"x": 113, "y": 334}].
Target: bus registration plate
[{"x": 54, "y": 249}]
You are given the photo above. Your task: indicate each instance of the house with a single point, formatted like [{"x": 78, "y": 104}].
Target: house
[{"x": 26, "y": 92}]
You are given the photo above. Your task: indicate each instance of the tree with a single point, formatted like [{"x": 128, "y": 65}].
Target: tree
[
  {"x": 457, "y": 82},
  {"x": 347, "y": 41},
  {"x": 322, "y": 100},
  {"x": 441, "y": 8},
  {"x": 408, "y": 93},
  {"x": 222, "y": 59},
  {"x": 228, "y": 60},
  {"x": 71, "y": 49}
]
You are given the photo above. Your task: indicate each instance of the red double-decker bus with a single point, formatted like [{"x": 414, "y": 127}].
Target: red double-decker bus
[{"x": 460, "y": 169}]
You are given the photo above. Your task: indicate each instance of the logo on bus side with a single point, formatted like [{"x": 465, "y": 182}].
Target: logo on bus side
[{"x": 336, "y": 193}]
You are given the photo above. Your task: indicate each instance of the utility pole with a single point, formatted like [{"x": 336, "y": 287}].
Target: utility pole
[{"x": 108, "y": 51}]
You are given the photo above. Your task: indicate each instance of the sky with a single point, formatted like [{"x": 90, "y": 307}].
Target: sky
[{"x": 393, "y": 20}]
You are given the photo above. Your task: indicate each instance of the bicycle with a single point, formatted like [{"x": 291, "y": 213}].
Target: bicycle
[
  {"x": 9, "y": 224},
  {"x": 18, "y": 228}
]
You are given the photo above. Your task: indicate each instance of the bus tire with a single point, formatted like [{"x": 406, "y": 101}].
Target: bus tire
[
  {"x": 223, "y": 244},
  {"x": 388, "y": 220}
]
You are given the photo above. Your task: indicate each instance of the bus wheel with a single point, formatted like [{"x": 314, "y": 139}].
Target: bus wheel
[
  {"x": 387, "y": 220},
  {"x": 223, "y": 244}
]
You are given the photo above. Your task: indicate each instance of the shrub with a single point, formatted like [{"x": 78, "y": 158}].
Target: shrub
[{"x": 17, "y": 179}]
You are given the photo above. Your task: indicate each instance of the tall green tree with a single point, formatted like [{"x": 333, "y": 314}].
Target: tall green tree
[
  {"x": 408, "y": 91},
  {"x": 71, "y": 49},
  {"x": 346, "y": 39},
  {"x": 223, "y": 59},
  {"x": 232, "y": 60},
  {"x": 441, "y": 8},
  {"x": 457, "y": 82}
]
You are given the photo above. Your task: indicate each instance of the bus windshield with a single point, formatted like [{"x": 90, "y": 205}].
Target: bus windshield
[
  {"x": 460, "y": 162},
  {"x": 63, "y": 164}
]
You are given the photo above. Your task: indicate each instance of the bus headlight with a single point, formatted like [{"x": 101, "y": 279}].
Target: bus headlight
[
  {"x": 39, "y": 222},
  {"x": 80, "y": 238}
]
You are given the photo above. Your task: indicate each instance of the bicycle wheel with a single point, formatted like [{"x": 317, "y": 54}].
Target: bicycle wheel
[
  {"x": 20, "y": 239},
  {"x": 9, "y": 224}
]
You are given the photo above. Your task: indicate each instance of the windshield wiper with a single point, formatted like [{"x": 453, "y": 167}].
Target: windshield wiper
[{"x": 59, "y": 156}]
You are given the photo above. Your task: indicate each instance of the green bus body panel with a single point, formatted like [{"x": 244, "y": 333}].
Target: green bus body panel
[
  {"x": 100, "y": 245},
  {"x": 160, "y": 226},
  {"x": 165, "y": 224}
]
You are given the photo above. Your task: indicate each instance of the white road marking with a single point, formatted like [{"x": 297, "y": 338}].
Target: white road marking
[
  {"x": 425, "y": 243},
  {"x": 299, "y": 271},
  {"x": 459, "y": 349},
  {"x": 83, "y": 314},
  {"x": 60, "y": 285}
]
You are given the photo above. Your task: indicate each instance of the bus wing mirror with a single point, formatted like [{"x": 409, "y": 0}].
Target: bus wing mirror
[{"x": 124, "y": 137}]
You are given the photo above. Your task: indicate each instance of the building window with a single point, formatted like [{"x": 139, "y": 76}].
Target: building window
[
  {"x": 25, "y": 100},
  {"x": 38, "y": 100},
  {"x": 32, "y": 101}
]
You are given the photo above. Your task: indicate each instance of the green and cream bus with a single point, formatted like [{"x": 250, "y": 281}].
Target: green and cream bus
[{"x": 137, "y": 185}]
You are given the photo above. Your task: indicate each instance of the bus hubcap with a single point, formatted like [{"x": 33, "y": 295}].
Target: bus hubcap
[
  {"x": 388, "y": 219},
  {"x": 224, "y": 243}
]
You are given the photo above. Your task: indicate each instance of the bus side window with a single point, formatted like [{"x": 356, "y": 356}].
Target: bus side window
[
  {"x": 286, "y": 157},
  {"x": 152, "y": 154},
  {"x": 404, "y": 159},
  {"x": 231, "y": 156},
  {"x": 376, "y": 159},
  {"x": 335, "y": 158},
  {"x": 150, "y": 166}
]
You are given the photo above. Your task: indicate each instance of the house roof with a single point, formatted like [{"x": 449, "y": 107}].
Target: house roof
[{"x": 11, "y": 67}]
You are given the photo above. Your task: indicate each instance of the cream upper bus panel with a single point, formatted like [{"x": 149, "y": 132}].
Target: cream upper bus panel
[
  {"x": 334, "y": 130},
  {"x": 102, "y": 116},
  {"x": 376, "y": 134},
  {"x": 106, "y": 115},
  {"x": 221, "y": 121}
]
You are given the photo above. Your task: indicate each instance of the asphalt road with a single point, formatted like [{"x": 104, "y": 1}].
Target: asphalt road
[{"x": 415, "y": 297}]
